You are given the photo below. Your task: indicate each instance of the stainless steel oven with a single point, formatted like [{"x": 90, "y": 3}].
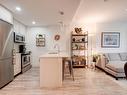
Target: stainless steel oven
[{"x": 26, "y": 61}]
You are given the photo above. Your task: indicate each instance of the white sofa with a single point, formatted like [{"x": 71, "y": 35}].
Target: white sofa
[{"x": 112, "y": 63}]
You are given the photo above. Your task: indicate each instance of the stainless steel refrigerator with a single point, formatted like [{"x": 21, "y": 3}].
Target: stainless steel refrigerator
[{"x": 6, "y": 47}]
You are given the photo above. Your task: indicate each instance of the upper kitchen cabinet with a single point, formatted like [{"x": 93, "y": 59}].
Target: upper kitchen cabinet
[
  {"x": 6, "y": 15},
  {"x": 19, "y": 27}
]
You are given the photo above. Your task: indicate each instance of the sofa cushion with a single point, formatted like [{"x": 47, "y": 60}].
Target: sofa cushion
[
  {"x": 114, "y": 57},
  {"x": 114, "y": 73},
  {"x": 123, "y": 56},
  {"x": 117, "y": 66}
]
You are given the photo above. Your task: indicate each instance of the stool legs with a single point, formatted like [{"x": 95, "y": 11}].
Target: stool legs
[
  {"x": 63, "y": 67},
  {"x": 70, "y": 67}
]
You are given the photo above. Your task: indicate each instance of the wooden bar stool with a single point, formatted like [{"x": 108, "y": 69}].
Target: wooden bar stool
[{"x": 70, "y": 67}]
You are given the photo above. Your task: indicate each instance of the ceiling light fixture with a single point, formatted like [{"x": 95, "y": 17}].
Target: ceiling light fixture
[
  {"x": 105, "y": 0},
  {"x": 33, "y": 22},
  {"x": 61, "y": 22},
  {"x": 61, "y": 12},
  {"x": 18, "y": 9}
]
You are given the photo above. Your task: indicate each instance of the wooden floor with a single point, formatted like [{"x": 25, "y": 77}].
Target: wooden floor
[{"x": 87, "y": 82}]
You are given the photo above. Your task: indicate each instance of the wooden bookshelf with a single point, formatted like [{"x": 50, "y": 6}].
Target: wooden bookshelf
[{"x": 79, "y": 49}]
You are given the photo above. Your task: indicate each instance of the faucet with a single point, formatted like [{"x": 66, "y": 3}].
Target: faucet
[{"x": 58, "y": 47}]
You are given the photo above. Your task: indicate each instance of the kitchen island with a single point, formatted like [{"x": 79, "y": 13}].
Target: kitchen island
[{"x": 51, "y": 69}]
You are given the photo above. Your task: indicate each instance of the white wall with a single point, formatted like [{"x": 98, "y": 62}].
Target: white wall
[
  {"x": 112, "y": 27},
  {"x": 94, "y": 40},
  {"x": 97, "y": 29},
  {"x": 64, "y": 43},
  {"x": 6, "y": 15},
  {"x": 49, "y": 36},
  {"x": 91, "y": 28}
]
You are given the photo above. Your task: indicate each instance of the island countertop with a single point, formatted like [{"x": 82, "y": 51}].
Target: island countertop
[
  {"x": 55, "y": 54},
  {"x": 51, "y": 69}
]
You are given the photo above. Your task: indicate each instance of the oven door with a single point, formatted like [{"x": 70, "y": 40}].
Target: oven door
[{"x": 25, "y": 60}]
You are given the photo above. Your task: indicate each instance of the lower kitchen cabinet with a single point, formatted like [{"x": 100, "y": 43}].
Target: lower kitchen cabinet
[{"x": 17, "y": 63}]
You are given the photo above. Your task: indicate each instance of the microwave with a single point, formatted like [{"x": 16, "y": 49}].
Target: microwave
[{"x": 19, "y": 38}]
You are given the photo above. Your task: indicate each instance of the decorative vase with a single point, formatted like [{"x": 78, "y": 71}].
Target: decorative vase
[
  {"x": 73, "y": 39},
  {"x": 83, "y": 39}
]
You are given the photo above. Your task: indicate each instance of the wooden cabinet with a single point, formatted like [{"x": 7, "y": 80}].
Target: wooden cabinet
[
  {"x": 79, "y": 49},
  {"x": 6, "y": 15},
  {"x": 17, "y": 63}
]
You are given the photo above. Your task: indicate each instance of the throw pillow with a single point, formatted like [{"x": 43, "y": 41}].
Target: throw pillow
[
  {"x": 123, "y": 56},
  {"x": 114, "y": 57}
]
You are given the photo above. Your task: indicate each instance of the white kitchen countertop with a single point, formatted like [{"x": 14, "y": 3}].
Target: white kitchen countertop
[{"x": 55, "y": 54}]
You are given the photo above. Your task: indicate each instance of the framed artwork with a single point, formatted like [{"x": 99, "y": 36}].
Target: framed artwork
[
  {"x": 110, "y": 40},
  {"x": 40, "y": 40},
  {"x": 57, "y": 37}
]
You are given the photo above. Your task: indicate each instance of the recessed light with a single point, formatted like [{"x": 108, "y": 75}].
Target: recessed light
[
  {"x": 61, "y": 12},
  {"x": 18, "y": 9},
  {"x": 33, "y": 22},
  {"x": 105, "y": 0}
]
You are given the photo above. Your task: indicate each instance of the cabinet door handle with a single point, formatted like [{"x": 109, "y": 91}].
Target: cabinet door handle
[{"x": 13, "y": 61}]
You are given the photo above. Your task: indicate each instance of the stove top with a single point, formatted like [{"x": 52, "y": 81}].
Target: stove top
[{"x": 25, "y": 53}]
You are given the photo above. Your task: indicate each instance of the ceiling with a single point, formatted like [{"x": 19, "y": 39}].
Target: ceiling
[
  {"x": 44, "y": 12},
  {"x": 101, "y": 11}
]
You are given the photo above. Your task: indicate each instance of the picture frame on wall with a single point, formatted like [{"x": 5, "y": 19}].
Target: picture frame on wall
[
  {"x": 40, "y": 40},
  {"x": 110, "y": 40}
]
